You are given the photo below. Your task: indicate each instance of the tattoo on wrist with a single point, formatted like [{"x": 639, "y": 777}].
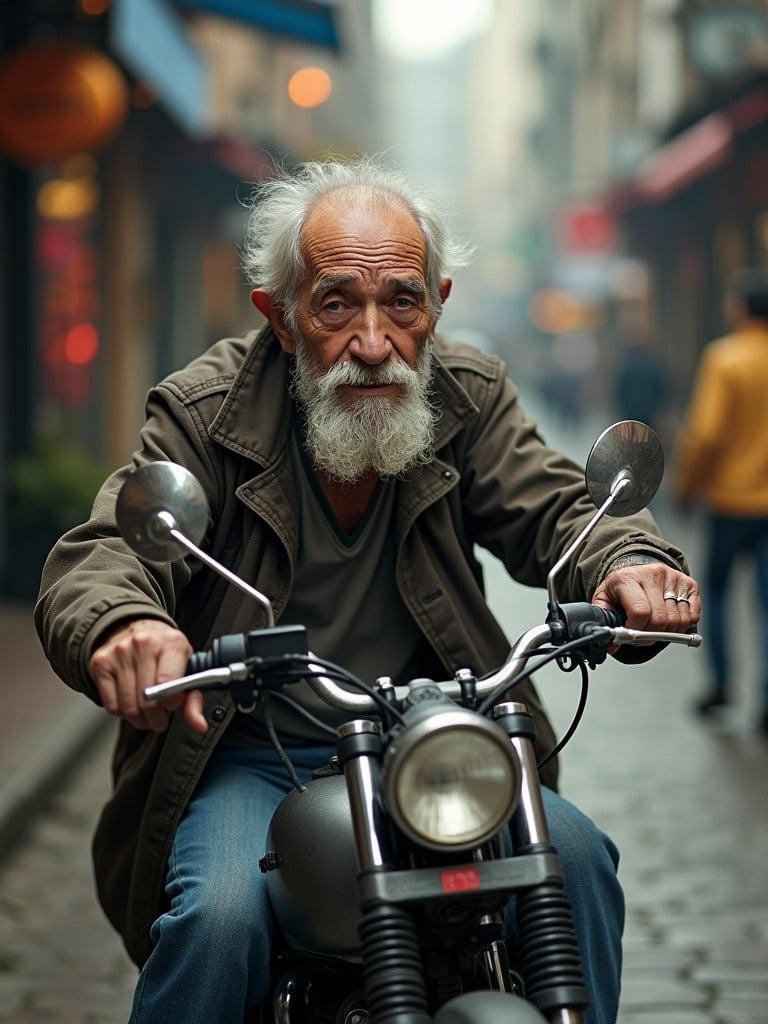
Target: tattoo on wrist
[{"x": 636, "y": 558}]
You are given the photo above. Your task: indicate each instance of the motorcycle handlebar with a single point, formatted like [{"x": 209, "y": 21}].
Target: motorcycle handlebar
[{"x": 224, "y": 663}]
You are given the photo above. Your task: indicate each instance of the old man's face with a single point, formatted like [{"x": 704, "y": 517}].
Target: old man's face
[
  {"x": 362, "y": 324},
  {"x": 364, "y": 298}
]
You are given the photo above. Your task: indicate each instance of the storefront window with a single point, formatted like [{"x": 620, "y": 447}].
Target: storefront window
[
  {"x": 57, "y": 467},
  {"x": 68, "y": 291}
]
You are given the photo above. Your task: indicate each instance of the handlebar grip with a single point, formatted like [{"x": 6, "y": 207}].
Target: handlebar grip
[
  {"x": 270, "y": 643},
  {"x": 198, "y": 662},
  {"x": 611, "y": 617},
  {"x": 579, "y": 616},
  {"x": 225, "y": 650}
]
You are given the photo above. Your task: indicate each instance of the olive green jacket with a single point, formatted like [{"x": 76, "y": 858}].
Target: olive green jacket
[{"x": 226, "y": 418}]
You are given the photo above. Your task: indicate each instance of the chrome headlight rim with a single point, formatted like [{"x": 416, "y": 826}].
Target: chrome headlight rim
[{"x": 458, "y": 720}]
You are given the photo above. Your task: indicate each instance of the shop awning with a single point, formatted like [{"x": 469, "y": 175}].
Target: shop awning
[
  {"x": 151, "y": 39},
  {"x": 309, "y": 21},
  {"x": 695, "y": 152}
]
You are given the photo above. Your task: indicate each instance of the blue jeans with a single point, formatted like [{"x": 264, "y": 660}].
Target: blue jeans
[
  {"x": 211, "y": 955},
  {"x": 730, "y": 538}
]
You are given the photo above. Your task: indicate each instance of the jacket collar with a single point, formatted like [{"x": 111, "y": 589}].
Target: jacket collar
[{"x": 254, "y": 419}]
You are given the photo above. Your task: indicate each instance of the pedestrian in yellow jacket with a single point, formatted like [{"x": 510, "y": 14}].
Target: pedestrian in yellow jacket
[{"x": 723, "y": 466}]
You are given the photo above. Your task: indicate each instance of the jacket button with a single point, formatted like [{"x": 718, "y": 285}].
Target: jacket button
[
  {"x": 447, "y": 474},
  {"x": 219, "y": 714}
]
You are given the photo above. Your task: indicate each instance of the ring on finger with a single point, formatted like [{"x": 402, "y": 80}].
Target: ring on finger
[
  {"x": 670, "y": 595},
  {"x": 681, "y": 598}
]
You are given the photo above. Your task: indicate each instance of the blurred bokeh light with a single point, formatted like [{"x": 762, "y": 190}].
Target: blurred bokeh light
[{"x": 309, "y": 87}]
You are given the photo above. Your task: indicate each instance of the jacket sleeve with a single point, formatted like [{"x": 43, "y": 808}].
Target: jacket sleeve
[
  {"x": 705, "y": 427},
  {"x": 527, "y": 502},
  {"x": 91, "y": 579}
]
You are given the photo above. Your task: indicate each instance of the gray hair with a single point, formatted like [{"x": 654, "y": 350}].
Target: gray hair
[{"x": 271, "y": 251}]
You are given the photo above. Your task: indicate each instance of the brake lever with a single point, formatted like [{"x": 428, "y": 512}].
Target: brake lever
[
  {"x": 237, "y": 672},
  {"x": 603, "y": 637},
  {"x": 642, "y": 638}
]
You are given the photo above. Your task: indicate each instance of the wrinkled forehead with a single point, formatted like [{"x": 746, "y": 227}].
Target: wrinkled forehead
[{"x": 363, "y": 231}]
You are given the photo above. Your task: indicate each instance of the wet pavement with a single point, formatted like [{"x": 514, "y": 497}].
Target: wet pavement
[{"x": 685, "y": 801}]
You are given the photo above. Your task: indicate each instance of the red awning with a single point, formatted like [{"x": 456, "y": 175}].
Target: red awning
[{"x": 695, "y": 152}]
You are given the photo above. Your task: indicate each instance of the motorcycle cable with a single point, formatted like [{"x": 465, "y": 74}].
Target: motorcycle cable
[
  {"x": 335, "y": 672},
  {"x": 270, "y": 666},
  {"x": 312, "y": 719},
  {"x": 275, "y": 741},
  {"x": 495, "y": 696},
  {"x": 567, "y": 736},
  {"x": 269, "y": 669},
  {"x": 538, "y": 653}
]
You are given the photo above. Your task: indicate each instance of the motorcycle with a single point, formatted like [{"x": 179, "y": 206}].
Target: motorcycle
[{"x": 429, "y": 819}]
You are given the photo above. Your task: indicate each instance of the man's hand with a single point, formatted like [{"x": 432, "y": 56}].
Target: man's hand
[
  {"x": 137, "y": 655},
  {"x": 653, "y": 596}
]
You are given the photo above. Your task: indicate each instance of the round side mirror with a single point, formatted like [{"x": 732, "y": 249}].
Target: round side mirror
[
  {"x": 155, "y": 499},
  {"x": 630, "y": 450}
]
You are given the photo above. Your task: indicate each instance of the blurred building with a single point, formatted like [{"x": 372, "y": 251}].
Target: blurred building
[
  {"x": 653, "y": 142},
  {"x": 132, "y": 131},
  {"x": 457, "y": 114},
  {"x": 503, "y": 184}
]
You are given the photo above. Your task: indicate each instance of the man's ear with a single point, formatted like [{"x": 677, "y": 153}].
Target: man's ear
[
  {"x": 446, "y": 283},
  {"x": 272, "y": 312}
]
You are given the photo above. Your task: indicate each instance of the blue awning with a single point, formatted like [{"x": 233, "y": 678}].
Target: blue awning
[
  {"x": 151, "y": 39},
  {"x": 310, "y": 21}
]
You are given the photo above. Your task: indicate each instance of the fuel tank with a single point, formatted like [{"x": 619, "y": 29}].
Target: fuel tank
[{"x": 313, "y": 890}]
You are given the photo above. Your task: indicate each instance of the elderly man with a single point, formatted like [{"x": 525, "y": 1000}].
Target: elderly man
[{"x": 351, "y": 458}]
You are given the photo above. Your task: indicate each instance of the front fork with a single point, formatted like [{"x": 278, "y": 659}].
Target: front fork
[
  {"x": 392, "y": 967},
  {"x": 554, "y": 980}
]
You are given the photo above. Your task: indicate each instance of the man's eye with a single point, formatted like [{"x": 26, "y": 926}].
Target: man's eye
[
  {"x": 402, "y": 302},
  {"x": 334, "y": 306}
]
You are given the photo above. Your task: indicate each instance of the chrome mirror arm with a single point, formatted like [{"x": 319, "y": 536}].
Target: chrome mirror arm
[
  {"x": 621, "y": 482},
  {"x": 163, "y": 526}
]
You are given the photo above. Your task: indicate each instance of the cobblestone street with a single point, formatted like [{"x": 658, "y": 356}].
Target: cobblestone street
[
  {"x": 684, "y": 800},
  {"x": 59, "y": 960}
]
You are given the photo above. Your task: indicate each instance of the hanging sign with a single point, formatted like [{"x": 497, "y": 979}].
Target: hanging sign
[{"x": 58, "y": 98}]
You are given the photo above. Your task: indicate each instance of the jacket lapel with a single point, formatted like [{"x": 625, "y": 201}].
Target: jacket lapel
[
  {"x": 429, "y": 483},
  {"x": 254, "y": 421}
]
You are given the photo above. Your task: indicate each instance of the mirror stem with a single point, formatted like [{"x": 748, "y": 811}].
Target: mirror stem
[
  {"x": 620, "y": 483},
  {"x": 265, "y": 603}
]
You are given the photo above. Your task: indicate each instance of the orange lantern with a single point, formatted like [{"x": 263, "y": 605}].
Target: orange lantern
[{"x": 58, "y": 98}]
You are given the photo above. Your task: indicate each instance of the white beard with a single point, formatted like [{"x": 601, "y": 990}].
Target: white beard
[{"x": 380, "y": 434}]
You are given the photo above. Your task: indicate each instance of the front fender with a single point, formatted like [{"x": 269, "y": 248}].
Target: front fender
[{"x": 488, "y": 1008}]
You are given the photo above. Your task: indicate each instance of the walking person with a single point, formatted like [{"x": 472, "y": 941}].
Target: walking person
[{"x": 723, "y": 466}]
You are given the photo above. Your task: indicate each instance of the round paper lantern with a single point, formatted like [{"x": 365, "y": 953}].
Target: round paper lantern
[{"x": 58, "y": 98}]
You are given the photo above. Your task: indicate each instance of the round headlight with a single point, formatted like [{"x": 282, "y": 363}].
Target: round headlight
[{"x": 451, "y": 780}]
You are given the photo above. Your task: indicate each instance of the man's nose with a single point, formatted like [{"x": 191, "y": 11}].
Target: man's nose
[{"x": 370, "y": 343}]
